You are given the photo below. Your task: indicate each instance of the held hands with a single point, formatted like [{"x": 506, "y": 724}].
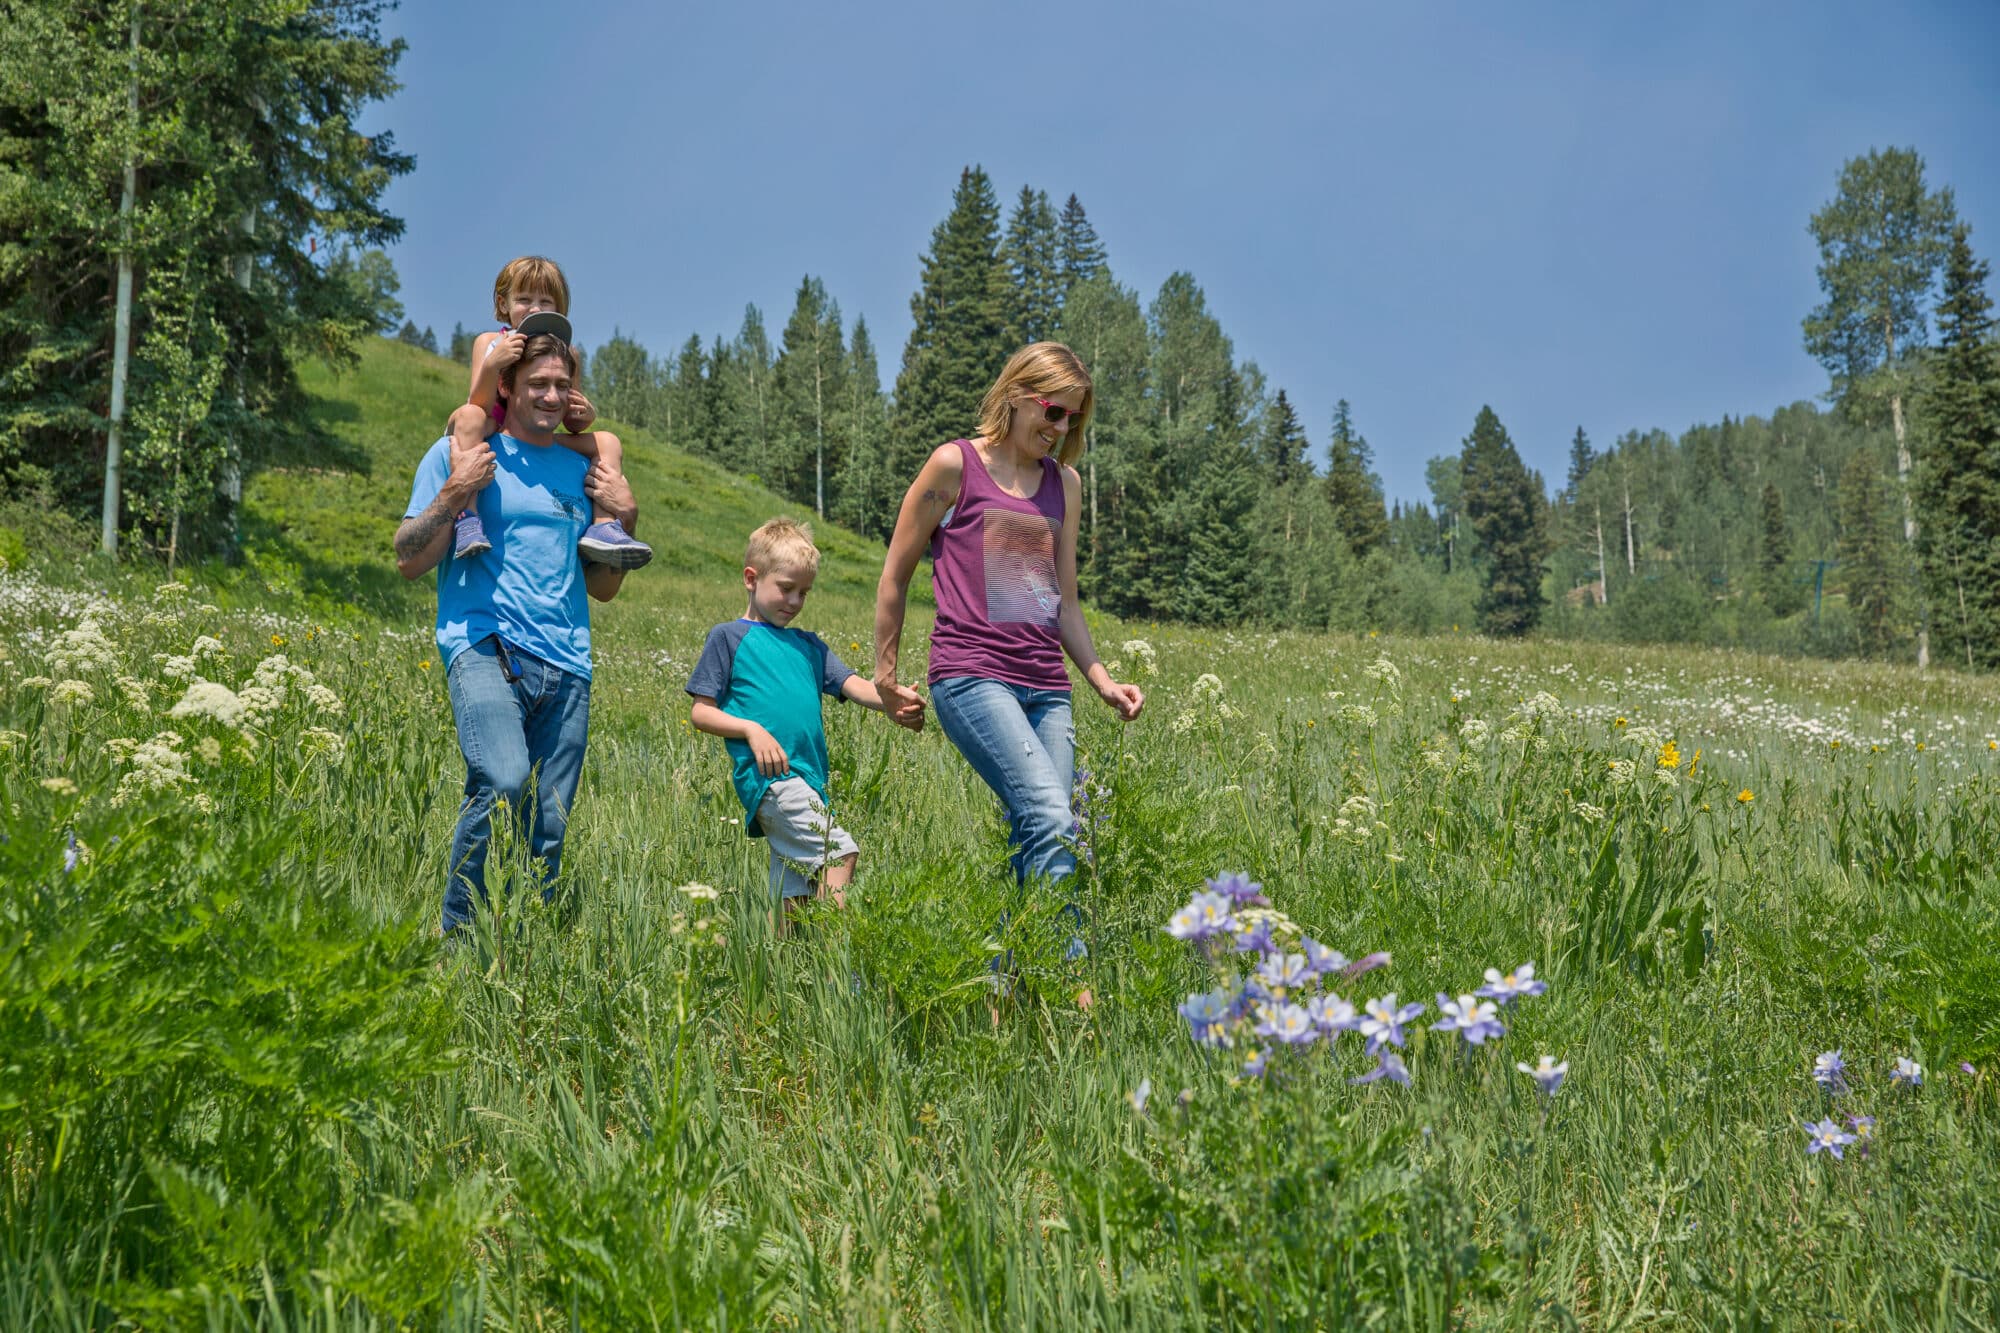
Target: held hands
[
  {"x": 902, "y": 703},
  {"x": 770, "y": 756}
]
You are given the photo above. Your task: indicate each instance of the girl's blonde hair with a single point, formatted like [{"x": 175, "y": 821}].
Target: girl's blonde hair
[
  {"x": 523, "y": 273},
  {"x": 1040, "y": 370}
]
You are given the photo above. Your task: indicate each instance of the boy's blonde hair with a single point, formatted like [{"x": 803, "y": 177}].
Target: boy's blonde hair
[
  {"x": 782, "y": 543},
  {"x": 525, "y": 272},
  {"x": 1041, "y": 370}
]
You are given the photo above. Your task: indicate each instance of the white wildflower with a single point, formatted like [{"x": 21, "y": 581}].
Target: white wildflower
[
  {"x": 204, "y": 803},
  {"x": 35, "y": 682},
  {"x": 323, "y": 699},
  {"x": 1588, "y": 813},
  {"x": 1622, "y": 773},
  {"x": 1387, "y": 672},
  {"x": 1142, "y": 655},
  {"x": 707, "y": 893},
  {"x": 219, "y": 703},
  {"x": 60, "y": 786},
  {"x": 328, "y": 744},
  {"x": 1360, "y": 715},
  {"x": 170, "y": 592},
  {"x": 154, "y": 766},
  {"x": 72, "y": 692},
  {"x": 135, "y": 692},
  {"x": 205, "y": 646},
  {"x": 1474, "y": 731},
  {"x": 176, "y": 668},
  {"x": 82, "y": 649},
  {"x": 209, "y": 750},
  {"x": 1208, "y": 686}
]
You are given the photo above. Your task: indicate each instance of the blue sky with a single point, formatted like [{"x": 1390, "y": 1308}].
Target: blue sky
[{"x": 1582, "y": 214}]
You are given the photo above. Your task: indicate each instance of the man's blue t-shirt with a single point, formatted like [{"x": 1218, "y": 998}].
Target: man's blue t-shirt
[
  {"x": 773, "y": 677},
  {"x": 529, "y": 588}
]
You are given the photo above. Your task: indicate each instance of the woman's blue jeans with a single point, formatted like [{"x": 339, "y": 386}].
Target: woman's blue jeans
[
  {"x": 519, "y": 719},
  {"x": 1022, "y": 743}
]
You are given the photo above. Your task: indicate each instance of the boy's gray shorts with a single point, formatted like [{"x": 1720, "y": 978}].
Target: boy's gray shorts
[{"x": 804, "y": 839}]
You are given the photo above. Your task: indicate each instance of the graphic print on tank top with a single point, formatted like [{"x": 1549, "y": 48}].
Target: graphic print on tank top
[{"x": 1021, "y": 585}]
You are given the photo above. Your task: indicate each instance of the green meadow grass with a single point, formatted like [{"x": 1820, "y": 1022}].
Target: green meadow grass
[{"x": 244, "y": 1087}]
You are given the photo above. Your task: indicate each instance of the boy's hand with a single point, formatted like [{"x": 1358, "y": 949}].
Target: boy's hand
[
  {"x": 1125, "y": 700},
  {"x": 505, "y": 350},
  {"x": 770, "y": 756},
  {"x": 579, "y": 415}
]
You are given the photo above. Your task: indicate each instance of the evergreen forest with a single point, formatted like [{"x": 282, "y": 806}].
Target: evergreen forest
[{"x": 208, "y": 168}]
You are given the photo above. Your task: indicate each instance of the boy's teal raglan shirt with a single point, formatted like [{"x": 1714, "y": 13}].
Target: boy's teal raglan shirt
[{"x": 773, "y": 677}]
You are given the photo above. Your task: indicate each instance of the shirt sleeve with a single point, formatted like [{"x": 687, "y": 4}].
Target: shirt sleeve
[
  {"x": 432, "y": 474},
  {"x": 712, "y": 668},
  {"x": 833, "y": 671}
]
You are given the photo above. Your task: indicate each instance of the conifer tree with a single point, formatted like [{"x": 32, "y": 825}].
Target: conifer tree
[
  {"x": 1867, "y": 553},
  {"x": 461, "y": 345},
  {"x": 1104, "y": 324},
  {"x": 960, "y": 329},
  {"x": 1774, "y": 553},
  {"x": 1352, "y": 489},
  {"x": 1881, "y": 240},
  {"x": 429, "y": 342},
  {"x": 807, "y": 381},
  {"x": 1581, "y": 459},
  {"x": 621, "y": 380},
  {"x": 1503, "y": 507},
  {"x": 1958, "y": 470},
  {"x": 684, "y": 413},
  {"x": 1033, "y": 261},
  {"x": 1080, "y": 255},
  {"x": 867, "y": 493}
]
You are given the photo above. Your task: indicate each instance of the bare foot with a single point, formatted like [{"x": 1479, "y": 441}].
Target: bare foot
[{"x": 1084, "y": 1000}]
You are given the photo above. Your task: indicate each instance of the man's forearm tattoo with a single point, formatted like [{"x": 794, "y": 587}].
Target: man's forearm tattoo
[{"x": 417, "y": 533}]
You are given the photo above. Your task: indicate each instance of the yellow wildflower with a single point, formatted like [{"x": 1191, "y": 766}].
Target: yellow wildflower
[
  {"x": 1670, "y": 755},
  {"x": 1745, "y": 796},
  {"x": 277, "y": 640},
  {"x": 425, "y": 664}
]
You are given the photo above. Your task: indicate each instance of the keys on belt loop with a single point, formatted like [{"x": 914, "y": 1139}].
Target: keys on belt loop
[{"x": 508, "y": 670}]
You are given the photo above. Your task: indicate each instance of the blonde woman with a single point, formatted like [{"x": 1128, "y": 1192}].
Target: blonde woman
[{"x": 998, "y": 514}]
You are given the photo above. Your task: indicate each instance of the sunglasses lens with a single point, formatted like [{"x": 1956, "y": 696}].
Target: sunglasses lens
[{"x": 1055, "y": 413}]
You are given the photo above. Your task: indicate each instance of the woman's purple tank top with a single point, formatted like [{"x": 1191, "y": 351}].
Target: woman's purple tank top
[{"x": 993, "y": 571}]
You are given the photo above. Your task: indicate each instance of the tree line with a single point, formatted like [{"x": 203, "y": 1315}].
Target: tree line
[{"x": 186, "y": 212}]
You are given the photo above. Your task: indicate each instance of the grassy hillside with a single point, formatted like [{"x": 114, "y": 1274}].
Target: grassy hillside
[{"x": 324, "y": 523}]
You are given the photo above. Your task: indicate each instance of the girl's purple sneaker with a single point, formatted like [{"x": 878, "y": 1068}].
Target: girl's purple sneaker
[
  {"x": 470, "y": 536},
  {"x": 608, "y": 543}
]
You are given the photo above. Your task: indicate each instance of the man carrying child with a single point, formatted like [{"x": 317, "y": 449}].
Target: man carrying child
[
  {"x": 513, "y": 625},
  {"x": 758, "y": 685}
]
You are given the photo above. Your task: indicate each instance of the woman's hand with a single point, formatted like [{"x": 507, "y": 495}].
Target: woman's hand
[{"x": 1124, "y": 700}]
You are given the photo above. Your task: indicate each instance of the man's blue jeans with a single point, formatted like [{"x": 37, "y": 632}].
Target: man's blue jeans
[
  {"x": 1022, "y": 743},
  {"x": 519, "y": 718}
]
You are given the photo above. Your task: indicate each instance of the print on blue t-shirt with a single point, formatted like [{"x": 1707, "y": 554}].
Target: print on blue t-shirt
[
  {"x": 529, "y": 588},
  {"x": 774, "y": 677}
]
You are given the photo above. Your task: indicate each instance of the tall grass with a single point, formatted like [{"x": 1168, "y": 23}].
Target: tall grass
[{"x": 244, "y": 1087}]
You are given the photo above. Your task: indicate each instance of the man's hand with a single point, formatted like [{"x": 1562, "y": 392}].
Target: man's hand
[
  {"x": 505, "y": 350},
  {"x": 902, "y": 703},
  {"x": 471, "y": 469},
  {"x": 770, "y": 756},
  {"x": 579, "y": 415},
  {"x": 610, "y": 492}
]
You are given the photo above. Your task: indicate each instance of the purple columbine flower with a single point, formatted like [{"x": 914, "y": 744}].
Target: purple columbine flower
[
  {"x": 1365, "y": 963},
  {"x": 1321, "y": 960},
  {"x": 1287, "y": 1023},
  {"x": 1239, "y": 888},
  {"x": 1255, "y": 1063},
  {"x": 1830, "y": 1071},
  {"x": 1907, "y": 1072},
  {"x": 1511, "y": 987},
  {"x": 71, "y": 855},
  {"x": 1966, "y": 1065},
  {"x": 1387, "y": 1065},
  {"x": 1206, "y": 915},
  {"x": 1255, "y": 938},
  {"x": 1208, "y": 1016},
  {"x": 1468, "y": 1018},
  {"x": 1382, "y": 1022},
  {"x": 1864, "y": 1131},
  {"x": 1331, "y": 1015},
  {"x": 1283, "y": 972},
  {"x": 1827, "y": 1137},
  {"x": 1547, "y": 1072}
]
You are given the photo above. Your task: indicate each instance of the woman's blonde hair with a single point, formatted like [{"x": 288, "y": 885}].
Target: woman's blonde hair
[
  {"x": 525, "y": 272},
  {"x": 1039, "y": 370}
]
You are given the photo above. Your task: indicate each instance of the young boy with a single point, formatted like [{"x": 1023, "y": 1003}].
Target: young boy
[{"x": 757, "y": 685}]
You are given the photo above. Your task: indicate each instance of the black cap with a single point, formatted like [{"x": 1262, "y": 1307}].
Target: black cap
[{"x": 545, "y": 321}]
